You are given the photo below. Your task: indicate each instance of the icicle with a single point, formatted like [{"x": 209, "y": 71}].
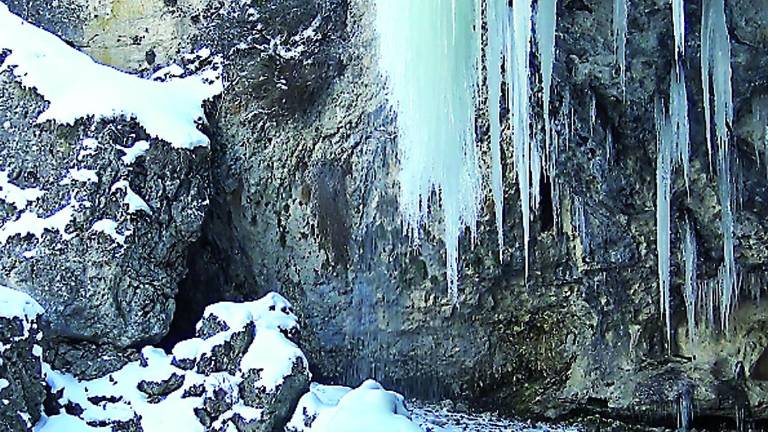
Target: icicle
[
  {"x": 678, "y": 113},
  {"x": 664, "y": 150},
  {"x": 620, "y": 39},
  {"x": 497, "y": 14},
  {"x": 678, "y": 19},
  {"x": 519, "y": 49},
  {"x": 592, "y": 115},
  {"x": 608, "y": 146},
  {"x": 716, "y": 80},
  {"x": 546, "y": 19},
  {"x": 429, "y": 52},
  {"x": 690, "y": 286}
]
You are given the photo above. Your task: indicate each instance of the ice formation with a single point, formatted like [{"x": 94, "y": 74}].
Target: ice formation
[
  {"x": 690, "y": 286},
  {"x": 620, "y": 39},
  {"x": 518, "y": 57},
  {"x": 497, "y": 17},
  {"x": 664, "y": 151},
  {"x": 678, "y": 20},
  {"x": 546, "y": 20},
  {"x": 429, "y": 51},
  {"x": 716, "y": 83}
]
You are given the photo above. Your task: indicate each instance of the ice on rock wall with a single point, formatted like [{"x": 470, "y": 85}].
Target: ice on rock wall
[
  {"x": 690, "y": 286},
  {"x": 678, "y": 20},
  {"x": 429, "y": 51},
  {"x": 664, "y": 151},
  {"x": 518, "y": 55},
  {"x": 497, "y": 16},
  {"x": 546, "y": 19},
  {"x": 716, "y": 84},
  {"x": 620, "y": 38}
]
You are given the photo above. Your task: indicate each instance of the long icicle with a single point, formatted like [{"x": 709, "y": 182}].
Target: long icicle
[
  {"x": 519, "y": 51},
  {"x": 497, "y": 15},
  {"x": 716, "y": 65},
  {"x": 690, "y": 286},
  {"x": 664, "y": 151},
  {"x": 546, "y": 23},
  {"x": 620, "y": 39}
]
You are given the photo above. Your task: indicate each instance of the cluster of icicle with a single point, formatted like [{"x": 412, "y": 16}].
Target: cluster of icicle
[
  {"x": 673, "y": 142},
  {"x": 431, "y": 52}
]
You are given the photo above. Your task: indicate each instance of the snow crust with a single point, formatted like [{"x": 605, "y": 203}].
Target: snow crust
[
  {"x": 77, "y": 87},
  {"x": 341, "y": 409}
]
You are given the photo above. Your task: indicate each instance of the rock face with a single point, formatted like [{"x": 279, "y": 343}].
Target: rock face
[
  {"x": 95, "y": 218},
  {"x": 304, "y": 199},
  {"x": 21, "y": 381}
]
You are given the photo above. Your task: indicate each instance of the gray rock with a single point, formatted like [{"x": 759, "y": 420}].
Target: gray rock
[{"x": 163, "y": 387}]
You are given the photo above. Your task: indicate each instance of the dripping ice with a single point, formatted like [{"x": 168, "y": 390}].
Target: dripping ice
[
  {"x": 438, "y": 158},
  {"x": 716, "y": 85}
]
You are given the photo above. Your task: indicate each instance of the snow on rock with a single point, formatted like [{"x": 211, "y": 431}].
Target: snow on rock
[
  {"x": 340, "y": 409},
  {"x": 16, "y": 304},
  {"x": 29, "y": 223},
  {"x": 109, "y": 228},
  {"x": 21, "y": 388},
  {"x": 77, "y": 87},
  {"x": 133, "y": 201},
  {"x": 138, "y": 149},
  {"x": 245, "y": 374},
  {"x": 82, "y": 175},
  {"x": 15, "y": 195}
]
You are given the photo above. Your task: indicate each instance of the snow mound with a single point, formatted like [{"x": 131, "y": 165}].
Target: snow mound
[
  {"x": 77, "y": 87},
  {"x": 341, "y": 409}
]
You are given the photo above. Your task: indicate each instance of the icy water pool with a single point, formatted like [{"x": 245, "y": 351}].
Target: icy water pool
[{"x": 444, "y": 418}]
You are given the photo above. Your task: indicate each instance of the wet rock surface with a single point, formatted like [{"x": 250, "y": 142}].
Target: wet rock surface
[{"x": 304, "y": 200}]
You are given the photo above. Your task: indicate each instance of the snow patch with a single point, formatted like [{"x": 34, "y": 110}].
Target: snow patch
[
  {"x": 138, "y": 149},
  {"x": 134, "y": 202},
  {"x": 82, "y": 175},
  {"x": 29, "y": 223},
  {"x": 15, "y": 195},
  {"x": 108, "y": 227},
  {"x": 16, "y": 304}
]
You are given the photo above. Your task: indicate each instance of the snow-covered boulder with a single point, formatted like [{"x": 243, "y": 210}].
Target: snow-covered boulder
[
  {"x": 21, "y": 384},
  {"x": 368, "y": 408},
  {"x": 252, "y": 376},
  {"x": 103, "y": 184}
]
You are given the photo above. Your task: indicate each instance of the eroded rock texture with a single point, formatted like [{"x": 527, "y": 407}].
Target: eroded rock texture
[{"x": 304, "y": 200}]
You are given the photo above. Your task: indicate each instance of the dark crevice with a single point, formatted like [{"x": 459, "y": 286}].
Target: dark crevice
[{"x": 546, "y": 207}]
